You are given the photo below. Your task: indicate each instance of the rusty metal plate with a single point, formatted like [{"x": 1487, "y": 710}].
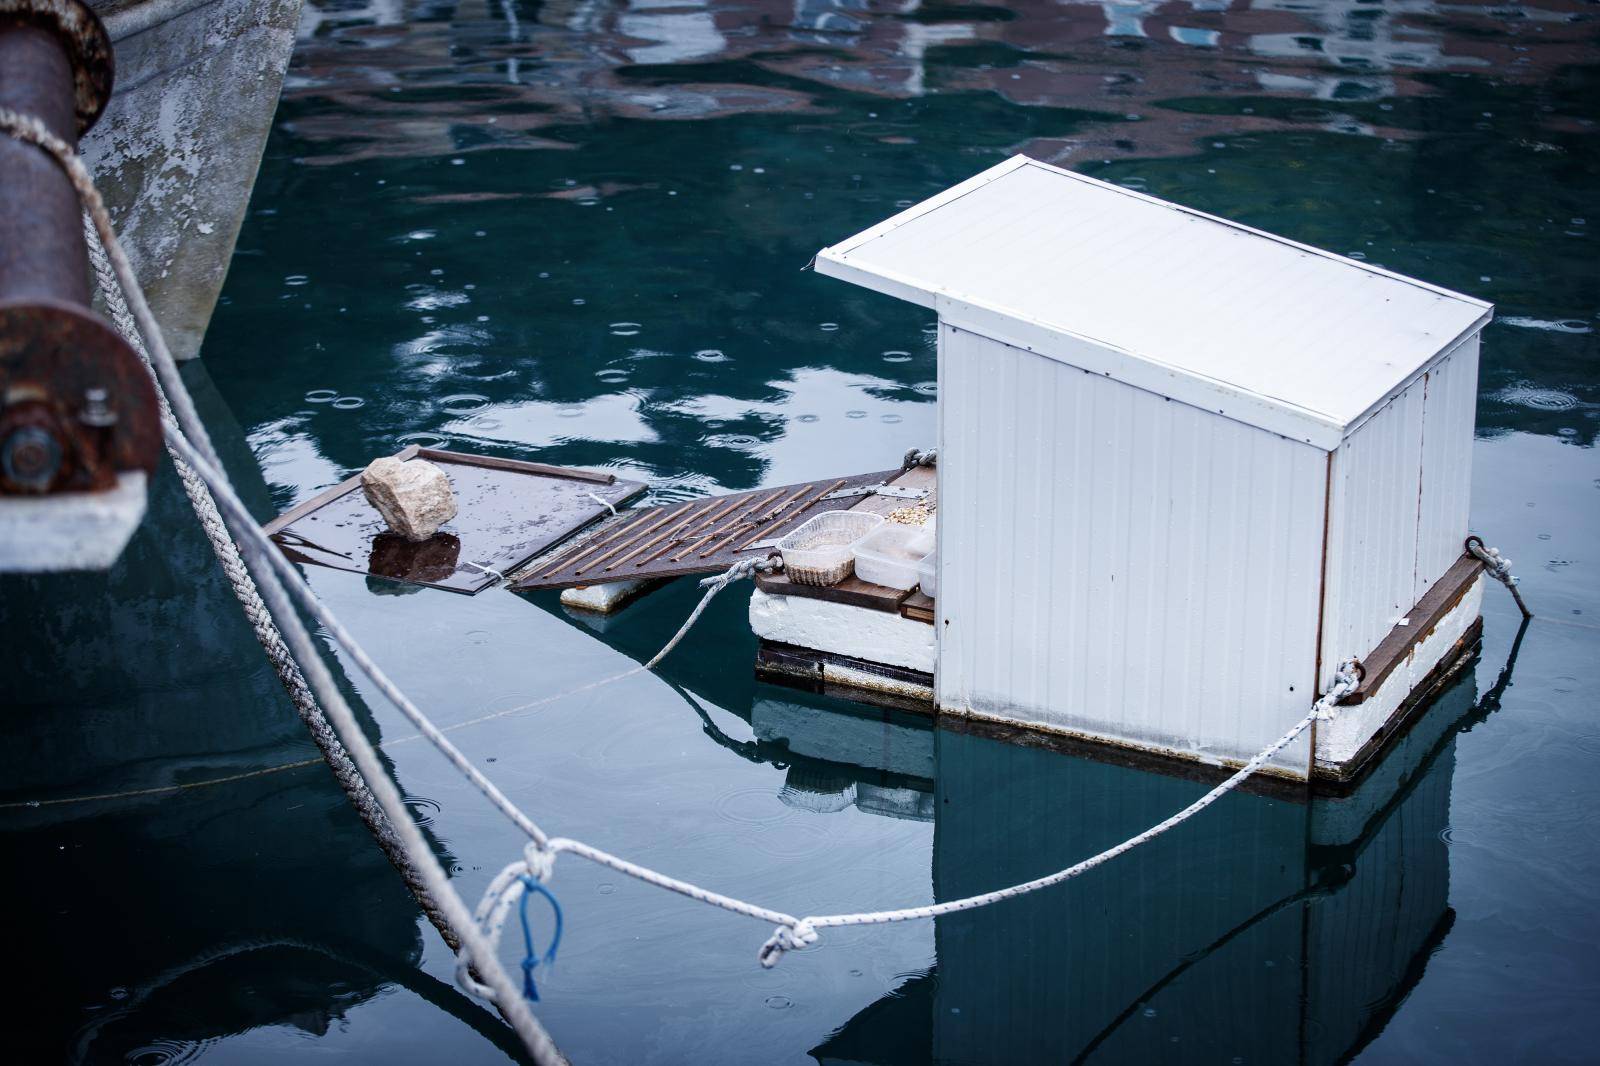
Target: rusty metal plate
[
  {"x": 507, "y": 513},
  {"x": 697, "y": 537}
]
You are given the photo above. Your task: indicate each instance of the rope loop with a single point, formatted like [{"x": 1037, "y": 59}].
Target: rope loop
[
  {"x": 1345, "y": 681},
  {"x": 920, "y": 457},
  {"x": 530, "y": 957},
  {"x": 1498, "y": 567},
  {"x": 540, "y": 861},
  {"x": 742, "y": 569},
  {"x": 786, "y": 938}
]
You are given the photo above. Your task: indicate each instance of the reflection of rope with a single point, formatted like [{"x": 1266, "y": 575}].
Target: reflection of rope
[
  {"x": 181, "y": 422},
  {"x": 429, "y": 989}
]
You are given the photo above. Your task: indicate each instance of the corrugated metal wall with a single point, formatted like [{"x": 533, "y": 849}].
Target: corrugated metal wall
[
  {"x": 1401, "y": 488},
  {"x": 1449, "y": 419},
  {"x": 1372, "y": 534},
  {"x": 1119, "y": 563}
]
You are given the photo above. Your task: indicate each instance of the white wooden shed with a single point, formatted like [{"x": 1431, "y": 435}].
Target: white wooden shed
[{"x": 1186, "y": 467}]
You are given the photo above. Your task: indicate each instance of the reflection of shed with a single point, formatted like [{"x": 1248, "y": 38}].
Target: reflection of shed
[
  {"x": 1263, "y": 932},
  {"x": 1186, "y": 468}
]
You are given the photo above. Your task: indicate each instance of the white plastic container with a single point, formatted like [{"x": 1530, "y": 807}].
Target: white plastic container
[
  {"x": 927, "y": 575},
  {"x": 821, "y": 551},
  {"x": 889, "y": 555}
]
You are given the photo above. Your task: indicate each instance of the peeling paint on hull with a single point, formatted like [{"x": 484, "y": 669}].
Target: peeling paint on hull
[{"x": 176, "y": 152}]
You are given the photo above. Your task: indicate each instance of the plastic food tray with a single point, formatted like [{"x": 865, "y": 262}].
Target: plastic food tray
[
  {"x": 927, "y": 575},
  {"x": 889, "y": 555},
  {"x": 822, "y": 550}
]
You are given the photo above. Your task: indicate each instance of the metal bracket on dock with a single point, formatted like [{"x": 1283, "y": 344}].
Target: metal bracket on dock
[{"x": 899, "y": 492}]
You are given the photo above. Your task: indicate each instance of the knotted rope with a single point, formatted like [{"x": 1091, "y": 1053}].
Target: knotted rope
[
  {"x": 737, "y": 572},
  {"x": 1498, "y": 567},
  {"x": 919, "y": 457},
  {"x": 511, "y": 887}
]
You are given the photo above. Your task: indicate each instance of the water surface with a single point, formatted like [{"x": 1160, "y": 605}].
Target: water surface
[{"x": 575, "y": 232}]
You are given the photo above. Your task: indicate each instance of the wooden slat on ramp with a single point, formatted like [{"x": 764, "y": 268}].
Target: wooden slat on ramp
[{"x": 698, "y": 537}]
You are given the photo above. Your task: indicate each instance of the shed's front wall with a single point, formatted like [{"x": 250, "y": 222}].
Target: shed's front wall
[
  {"x": 1399, "y": 497},
  {"x": 1116, "y": 564}
]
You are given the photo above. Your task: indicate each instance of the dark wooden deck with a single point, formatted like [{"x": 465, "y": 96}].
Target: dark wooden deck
[{"x": 697, "y": 537}]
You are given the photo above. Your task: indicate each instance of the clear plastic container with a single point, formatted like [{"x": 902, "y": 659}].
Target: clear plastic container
[
  {"x": 928, "y": 574},
  {"x": 890, "y": 554},
  {"x": 821, "y": 551}
]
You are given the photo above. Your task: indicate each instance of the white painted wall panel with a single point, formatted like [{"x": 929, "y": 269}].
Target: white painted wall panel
[
  {"x": 1372, "y": 533},
  {"x": 1118, "y": 564},
  {"x": 1449, "y": 418}
]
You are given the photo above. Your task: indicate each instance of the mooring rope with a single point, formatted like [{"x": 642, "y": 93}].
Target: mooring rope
[
  {"x": 255, "y": 611},
  {"x": 737, "y": 572},
  {"x": 181, "y": 422},
  {"x": 1498, "y": 567},
  {"x": 480, "y": 930}
]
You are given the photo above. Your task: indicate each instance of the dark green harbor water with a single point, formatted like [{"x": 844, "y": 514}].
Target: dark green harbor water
[{"x": 574, "y": 232}]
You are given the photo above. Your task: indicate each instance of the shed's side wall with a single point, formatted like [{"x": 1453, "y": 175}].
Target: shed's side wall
[
  {"x": 1400, "y": 493},
  {"x": 1117, "y": 564},
  {"x": 1450, "y": 417}
]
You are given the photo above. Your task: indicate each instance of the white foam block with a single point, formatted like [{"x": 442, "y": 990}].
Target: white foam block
[
  {"x": 606, "y": 597},
  {"x": 876, "y": 636}
]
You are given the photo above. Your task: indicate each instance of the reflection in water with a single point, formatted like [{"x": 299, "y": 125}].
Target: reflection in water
[
  {"x": 427, "y": 562},
  {"x": 573, "y": 231},
  {"x": 1270, "y": 930}
]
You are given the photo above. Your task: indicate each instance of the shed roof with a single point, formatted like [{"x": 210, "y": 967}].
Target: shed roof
[{"x": 1276, "y": 334}]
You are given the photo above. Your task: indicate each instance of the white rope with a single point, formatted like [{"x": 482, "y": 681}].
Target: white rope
[
  {"x": 1498, "y": 567},
  {"x": 259, "y": 555},
  {"x": 737, "y": 572},
  {"x": 789, "y": 936},
  {"x": 499, "y": 578},
  {"x": 603, "y": 503},
  {"x": 249, "y": 597},
  {"x": 920, "y": 457},
  {"x": 480, "y": 931}
]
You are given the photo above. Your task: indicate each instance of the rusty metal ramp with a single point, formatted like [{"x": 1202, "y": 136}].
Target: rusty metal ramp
[{"x": 697, "y": 537}]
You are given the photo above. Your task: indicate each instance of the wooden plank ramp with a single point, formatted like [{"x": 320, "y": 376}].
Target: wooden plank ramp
[{"x": 696, "y": 537}]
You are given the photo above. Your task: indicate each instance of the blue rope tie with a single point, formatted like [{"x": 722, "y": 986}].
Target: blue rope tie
[{"x": 531, "y": 957}]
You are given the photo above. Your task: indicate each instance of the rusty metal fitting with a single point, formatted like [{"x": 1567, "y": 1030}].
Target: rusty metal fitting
[
  {"x": 76, "y": 404},
  {"x": 65, "y": 372},
  {"x": 35, "y": 453}
]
